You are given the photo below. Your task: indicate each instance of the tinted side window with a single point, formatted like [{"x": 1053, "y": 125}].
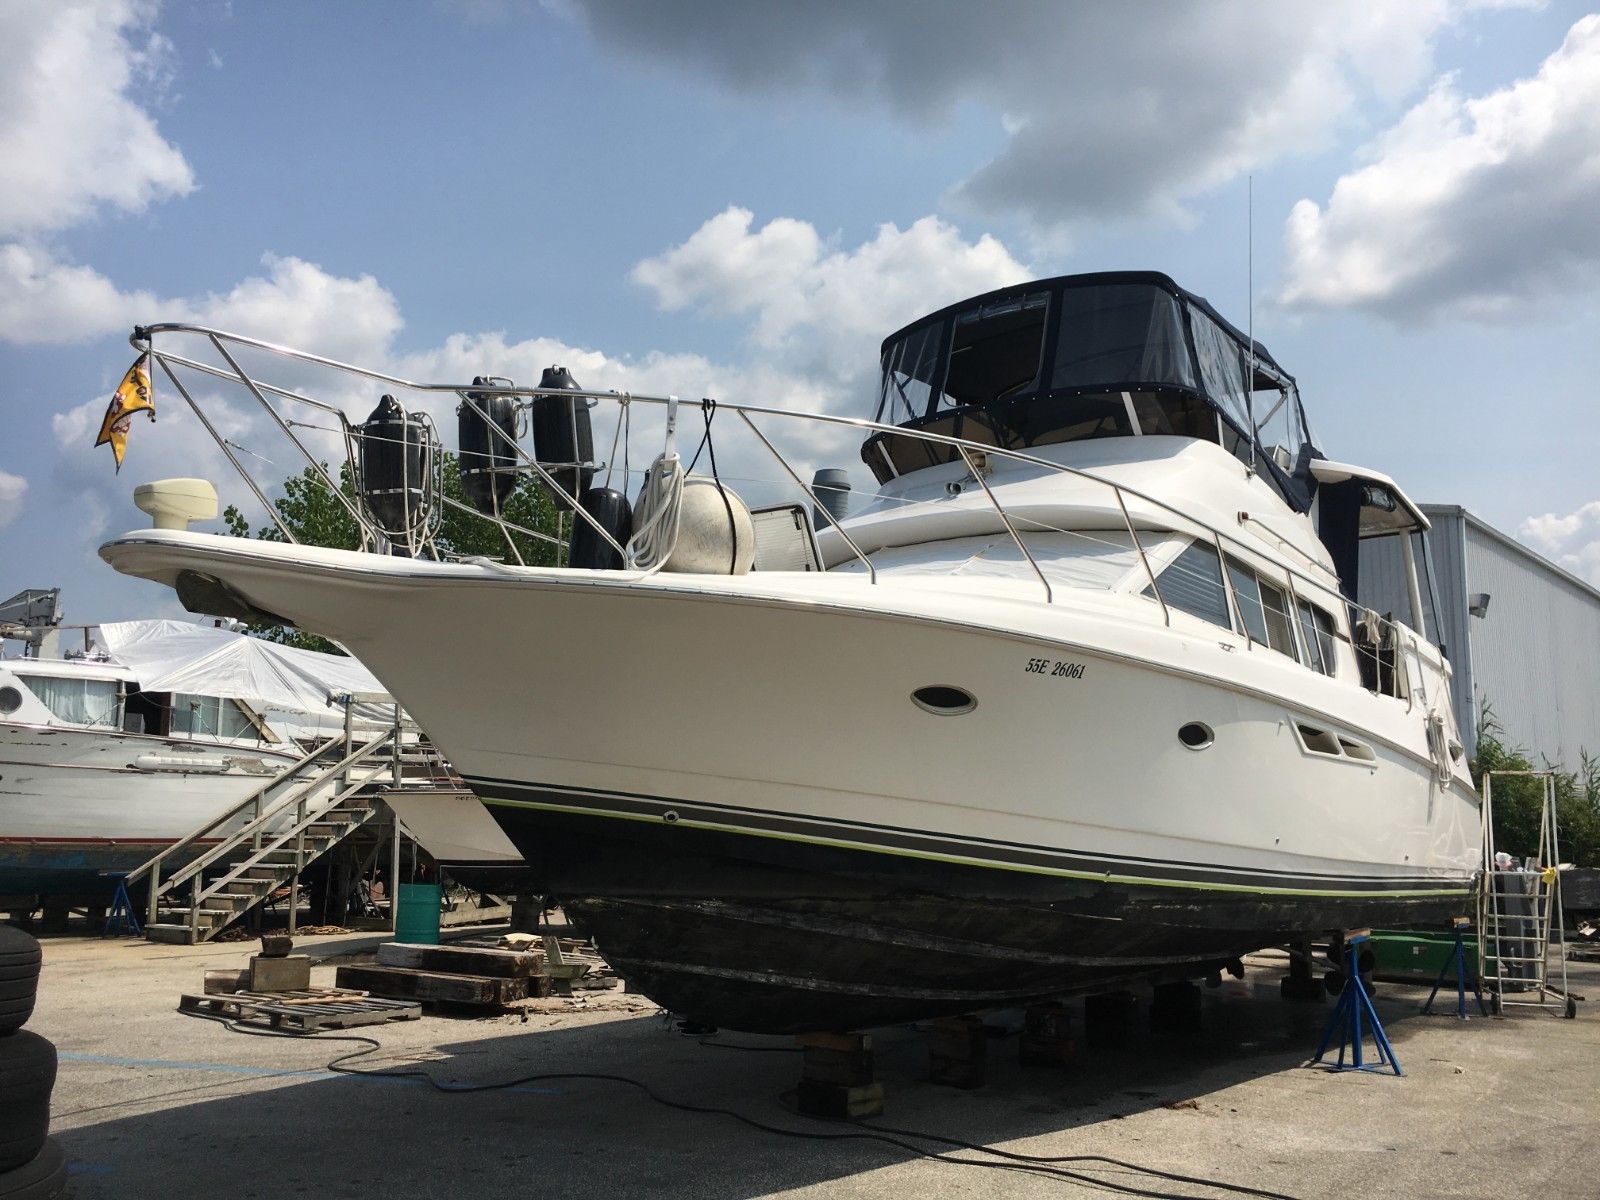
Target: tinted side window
[{"x": 1192, "y": 583}]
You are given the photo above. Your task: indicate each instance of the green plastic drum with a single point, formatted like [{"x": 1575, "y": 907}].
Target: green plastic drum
[{"x": 417, "y": 921}]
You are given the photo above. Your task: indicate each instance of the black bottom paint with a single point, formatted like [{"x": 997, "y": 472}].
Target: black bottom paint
[{"x": 774, "y": 936}]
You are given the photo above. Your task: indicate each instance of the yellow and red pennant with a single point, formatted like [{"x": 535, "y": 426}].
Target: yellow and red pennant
[{"x": 132, "y": 395}]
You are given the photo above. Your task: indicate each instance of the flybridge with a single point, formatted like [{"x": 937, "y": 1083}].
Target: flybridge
[{"x": 1111, "y": 354}]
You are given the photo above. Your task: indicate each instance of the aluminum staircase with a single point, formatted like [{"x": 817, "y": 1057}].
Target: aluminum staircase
[{"x": 265, "y": 841}]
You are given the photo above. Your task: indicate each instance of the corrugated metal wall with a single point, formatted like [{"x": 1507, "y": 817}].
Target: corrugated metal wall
[{"x": 1536, "y": 656}]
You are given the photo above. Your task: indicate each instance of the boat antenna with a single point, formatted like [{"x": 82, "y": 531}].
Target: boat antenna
[{"x": 1250, "y": 310}]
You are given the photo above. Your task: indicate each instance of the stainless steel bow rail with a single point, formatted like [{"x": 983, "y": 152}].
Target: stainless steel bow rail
[{"x": 975, "y": 456}]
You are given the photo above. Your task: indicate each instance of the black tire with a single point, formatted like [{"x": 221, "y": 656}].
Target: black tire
[
  {"x": 45, "y": 1178},
  {"x": 19, "y": 977},
  {"x": 16, "y": 1003},
  {"x": 27, "y": 1076},
  {"x": 18, "y": 949}
]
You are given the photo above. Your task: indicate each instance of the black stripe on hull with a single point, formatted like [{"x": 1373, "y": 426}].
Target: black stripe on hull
[{"x": 771, "y": 935}]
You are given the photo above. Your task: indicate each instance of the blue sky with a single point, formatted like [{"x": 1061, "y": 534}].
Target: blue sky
[{"x": 743, "y": 199}]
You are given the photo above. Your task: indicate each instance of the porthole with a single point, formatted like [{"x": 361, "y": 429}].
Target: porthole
[
  {"x": 1196, "y": 735},
  {"x": 943, "y": 700},
  {"x": 10, "y": 699}
]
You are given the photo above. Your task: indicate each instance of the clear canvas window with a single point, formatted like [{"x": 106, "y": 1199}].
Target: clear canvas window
[
  {"x": 1120, "y": 334},
  {"x": 995, "y": 351}
]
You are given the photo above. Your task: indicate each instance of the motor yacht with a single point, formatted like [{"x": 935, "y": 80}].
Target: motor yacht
[
  {"x": 1075, "y": 694},
  {"x": 114, "y": 750}
]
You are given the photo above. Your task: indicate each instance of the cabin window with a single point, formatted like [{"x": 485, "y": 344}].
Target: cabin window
[
  {"x": 1120, "y": 334},
  {"x": 1177, "y": 414},
  {"x": 995, "y": 351},
  {"x": 199, "y": 715},
  {"x": 1192, "y": 583},
  {"x": 1316, "y": 630},
  {"x": 1264, "y": 609},
  {"x": 908, "y": 370},
  {"x": 78, "y": 701}
]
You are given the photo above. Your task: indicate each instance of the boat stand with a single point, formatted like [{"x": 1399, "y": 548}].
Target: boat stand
[
  {"x": 1354, "y": 1008},
  {"x": 1464, "y": 973},
  {"x": 121, "y": 919}
]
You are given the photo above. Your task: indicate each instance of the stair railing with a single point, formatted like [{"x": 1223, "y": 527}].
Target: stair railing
[
  {"x": 254, "y": 800},
  {"x": 304, "y": 817}
]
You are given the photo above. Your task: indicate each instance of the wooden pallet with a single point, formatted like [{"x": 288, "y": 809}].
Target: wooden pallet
[{"x": 307, "y": 1011}]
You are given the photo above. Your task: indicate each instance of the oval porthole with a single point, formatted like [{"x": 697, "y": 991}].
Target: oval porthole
[
  {"x": 944, "y": 700},
  {"x": 1196, "y": 735},
  {"x": 10, "y": 699}
]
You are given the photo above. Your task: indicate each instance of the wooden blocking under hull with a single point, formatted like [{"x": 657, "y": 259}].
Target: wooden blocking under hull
[
  {"x": 1046, "y": 1036},
  {"x": 836, "y": 1076},
  {"x": 1175, "y": 1008},
  {"x": 462, "y": 960},
  {"x": 957, "y": 1051},
  {"x": 402, "y": 983},
  {"x": 1108, "y": 1019},
  {"x": 838, "y": 1103}
]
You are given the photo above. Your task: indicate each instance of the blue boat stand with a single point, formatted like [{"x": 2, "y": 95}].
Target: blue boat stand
[
  {"x": 1352, "y": 1012},
  {"x": 1464, "y": 973}
]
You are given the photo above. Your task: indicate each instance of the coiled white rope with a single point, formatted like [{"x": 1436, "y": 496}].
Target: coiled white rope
[{"x": 656, "y": 516}]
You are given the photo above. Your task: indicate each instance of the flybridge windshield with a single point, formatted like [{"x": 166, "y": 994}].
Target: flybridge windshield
[{"x": 1085, "y": 356}]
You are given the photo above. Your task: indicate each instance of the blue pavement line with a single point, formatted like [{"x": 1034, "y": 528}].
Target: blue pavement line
[{"x": 217, "y": 1068}]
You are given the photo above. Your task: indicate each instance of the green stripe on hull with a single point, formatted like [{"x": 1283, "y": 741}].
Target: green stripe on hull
[{"x": 990, "y": 864}]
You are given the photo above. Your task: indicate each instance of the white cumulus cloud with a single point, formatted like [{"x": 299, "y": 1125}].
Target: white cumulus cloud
[
  {"x": 45, "y": 300},
  {"x": 1475, "y": 206},
  {"x": 817, "y": 307},
  {"x": 75, "y": 132},
  {"x": 12, "y": 489},
  {"x": 1572, "y": 540}
]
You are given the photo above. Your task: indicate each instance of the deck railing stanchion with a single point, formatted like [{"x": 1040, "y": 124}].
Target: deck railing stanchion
[
  {"x": 818, "y": 505},
  {"x": 1049, "y": 595}
]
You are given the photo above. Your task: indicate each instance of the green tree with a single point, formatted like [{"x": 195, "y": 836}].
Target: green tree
[
  {"x": 1518, "y": 802},
  {"x": 311, "y": 511}
]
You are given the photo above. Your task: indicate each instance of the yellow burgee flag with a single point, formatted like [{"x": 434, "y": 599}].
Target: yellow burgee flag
[{"x": 132, "y": 395}]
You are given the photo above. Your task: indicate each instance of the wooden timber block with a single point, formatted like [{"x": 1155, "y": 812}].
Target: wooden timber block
[
  {"x": 225, "y": 983},
  {"x": 290, "y": 973},
  {"x": 957, "y": 1051},
  {"x": 459, "y": 960},
  {"x": 838, "y": 1102},
  {"x": 1051, "y": 1021},
  {"x": 403, "y": 983},
  {"x": 1046, "y": 1039},
  {"x": 843, "y": 1068},
  {"x": 276, "y": 945}
]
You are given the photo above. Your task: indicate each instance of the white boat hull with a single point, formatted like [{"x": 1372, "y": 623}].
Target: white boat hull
[
  {"x": 656, "y": 748},
  {"x": 75, "y": 803}
]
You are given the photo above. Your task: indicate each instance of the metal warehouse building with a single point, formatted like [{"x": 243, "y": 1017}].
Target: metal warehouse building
[{"x": 1521, "y": 633}]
